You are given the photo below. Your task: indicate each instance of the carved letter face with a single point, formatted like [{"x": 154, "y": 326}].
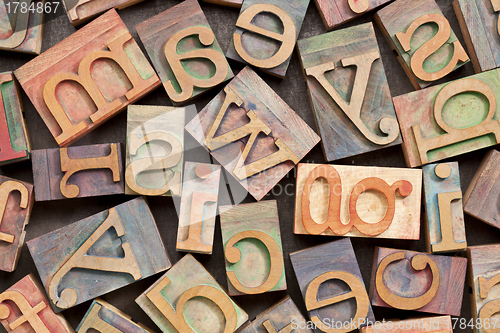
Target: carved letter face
[{"x": 81, "y": 11}]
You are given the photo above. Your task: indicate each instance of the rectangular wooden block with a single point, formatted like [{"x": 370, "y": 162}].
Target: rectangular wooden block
[
  {"x": 358, "y": 201},
  {"x": 421, "y": 325},
  {"x": 198, "y": 207},
  {"x": 251, "y": 239},
  {"x": 426, "y": 51},
  {"x": 16, "y": 203},
  {"x": 270, "y": 37},
  {"x": 258, "y": 162},
  {"x": 87, "y": 78},
  {"x": 334, "y": 64},
  {"x": 189, "y": 281},
  {"x": 155, "y": 150},
  {"x": 417, "y": 281},
  {"x": 230, "y": 3},
  {"x": 99, "y": 254},
  {"x": 81, "y": 11},
  {"x": 78, "y": 172},
  {"x": 184, "y": 51},
  {"x": 24, "y": 308},
  {"x": 449, "y": 119},
  {"x": 317, "y": 266},
  {"x": 14, "y": 139}
]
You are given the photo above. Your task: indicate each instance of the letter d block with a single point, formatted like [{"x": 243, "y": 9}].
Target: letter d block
[{"x": 332, "y": 285}]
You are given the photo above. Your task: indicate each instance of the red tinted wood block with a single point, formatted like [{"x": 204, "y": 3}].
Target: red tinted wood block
[
  {"x": 231, "y": 128},
  {"x": 417, "y": 281},
  {"x": 23, "y": 308},
  {"x": 14, "y": 140},
  {"x": 16, "y": 202},
  {"x": 358, "y": 201},
  {"x": 99, "y": 254},
  {"x": 230, "y": 3},
  {"x": 81, "y": 11},
  {"x": 78, "y": 172},
  {"x": 421, "y": 325},
  {"x": 184, "y": 51},
  {"x": 88, "y": 78}
]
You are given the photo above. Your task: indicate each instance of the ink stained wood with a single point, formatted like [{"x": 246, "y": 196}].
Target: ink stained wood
[
  {"x": 349, "y": 92},
  {"x": 229, "y": 3},
  {"x": 260, "y": 162},
  {"x": 82, "y": 11},
  {"x": 87, "y": 78},
  {"x": 99, "y": 254},
  {"x": 441, "y": 324}
]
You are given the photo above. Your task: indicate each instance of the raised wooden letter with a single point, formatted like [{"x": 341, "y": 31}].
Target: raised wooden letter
[{"x": 81, "y": 11}]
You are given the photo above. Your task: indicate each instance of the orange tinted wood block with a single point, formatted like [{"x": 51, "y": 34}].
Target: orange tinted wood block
[
  {"x": 420, "y": 325},
  {"x": 81, "y": 11}
]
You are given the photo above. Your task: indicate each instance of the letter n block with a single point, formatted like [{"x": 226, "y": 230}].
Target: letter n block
[
  {"x": 421, "y": 325},
  {"x": 81, "y": 11}
]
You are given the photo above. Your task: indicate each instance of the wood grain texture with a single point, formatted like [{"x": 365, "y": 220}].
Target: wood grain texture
[
  {"x": 87, "y": 78},
  {"x": 349, "y": 92},
  {"x": 209, "y": 305},
  {"x": 82, "y": 11},
  {"x": 184, "y": 51},
  {"x": 259, "y": 162},
  {"x": 421, "y": 325},
  {"x": 229, "y": 3},
  {"x": 99, "y": 254}
]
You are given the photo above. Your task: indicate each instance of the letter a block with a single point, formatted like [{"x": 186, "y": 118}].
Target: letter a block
[
  {"x": 99, "y": 254},
  {"x": 427, "y": 48},
  {"x": 417, "y": 281},
  {"x": 335, "y": 63},
  {"x": 421, "y": 325},
  {"x": 81, "y": 11},
  {"x": 87, "y": 78},
  {"x": 323, "y": 273},
  {"x": 184, "y": 51},
  {"x": 253, "y": 133},
  {"x": 188, "y": 299}
]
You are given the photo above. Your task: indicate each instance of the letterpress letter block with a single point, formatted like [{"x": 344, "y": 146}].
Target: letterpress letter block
[
  {"x": 335, "y": 62},
  {"x": 81, "y": 11},
  {"x": 16, "y": 202},
  {"x": 184, "y": 51},
  {"x": 253, "y": 133},
  {"x": 99, "y": 254},
  {"x": 449, "y": 119},
  {"x": 417, "y": 281},
  {"x": 422, "y": 325},
  {"x": 188, "y": 299},
  {"x": 323, "y": 273},
  {"x": 427, "y": 47},
  {"x": 87, "y": 78},
  {"x": 358, "y": 201},
  {"x": 155, "y": 150},
  {"x": 230, "y": 3},
  {"x": 266, "y": 33}
]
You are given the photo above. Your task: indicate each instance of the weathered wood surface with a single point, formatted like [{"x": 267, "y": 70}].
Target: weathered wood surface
[
  {"x": 441, "y": 324},
  {"x": 229, "y": 3},
  {"x": 81, "y": 11}
]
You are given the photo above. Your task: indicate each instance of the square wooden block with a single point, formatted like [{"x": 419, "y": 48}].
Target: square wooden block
[{"x": 82, "y": 11}]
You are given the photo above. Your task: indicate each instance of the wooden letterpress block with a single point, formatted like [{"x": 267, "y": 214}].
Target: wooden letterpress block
[
  {"x": 267, "y": 41},
  {"x": 252, "y": 267},
  {"x": 198, "y": 300},
  {"x": 198, "y": 207},
  {"x": 449, "y": 119},
  {"x": 184, "y": 51},
  {"x": 258, "y": 162},
  {"x": 323, "y": 272},
  {"x": 426, "y": 51},
  {"x": 155, "y": 150},
  {"x": 14, "y": 140},
  {"x": 99, "y": 254},
  {"x": 81, "y": 11},
  {"x": 335, "y": 62},
  {"x": 230, "y": 3},
  {"x": 417, "y": 281},
  {"x": 16, "y": 202},
  {"x": 445, "y": 229},
  {"x": 78, "y": 172},
  {"x": 421, "y": 325},
  {"x": 358, "y": 201},
  {"x": 87, "y": 78}
]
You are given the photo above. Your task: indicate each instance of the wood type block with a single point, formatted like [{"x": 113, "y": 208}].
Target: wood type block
[
  {"x": 253, "y": 250},
  {"x": 435, "y": 50},
  {"x": 198, "y": 207},
  {"x": 16, "y": 203},
  {"x": 335, "y": 64},
  {"x": 358, "y": 201},
  {"x": 449, "y": 119},
  {"x": 87, "y": 78},
  {"x": 155, "y": 150},
  {"x": 24, "y": 308},
  {"x": 99, "y": 254},
  {"x": 417, "y": 281},
  {"x": 323, "y": 279},
  {"x": 260, "y": 161},
  {"x": 14, "y": 140},
  {"x": 184, "y": 51},
  {"x": 81, "y": 11},
  {"x": 266, "y": 33},
  {"x": 229, "y": 3},
  {"x": 188, "y": 299},
  {"x": 421, "y": 325}
]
